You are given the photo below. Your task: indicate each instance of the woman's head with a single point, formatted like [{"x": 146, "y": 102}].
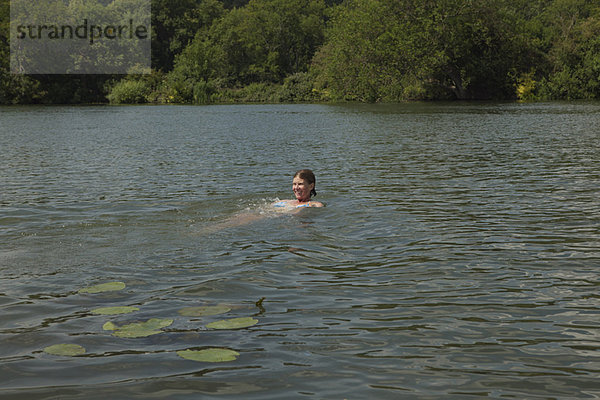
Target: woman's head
[{"x": 304, "y": 184}]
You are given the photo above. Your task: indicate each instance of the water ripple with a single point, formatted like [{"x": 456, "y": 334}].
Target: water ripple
[{"x": 457, "y": 256}]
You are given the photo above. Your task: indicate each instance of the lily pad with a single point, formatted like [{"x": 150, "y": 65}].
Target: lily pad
[
  {"x": 204, "y": 311},
  {"x": 103, "y": 287},
  {"x": 115, "y": 310},
  {"x": 109, "y": 326},
  {"x": 234, "y": 323},
  {"x": 65, "y": 349},
  {"x": 209, "y": 355},
  {"x": 142, "y": 329}
]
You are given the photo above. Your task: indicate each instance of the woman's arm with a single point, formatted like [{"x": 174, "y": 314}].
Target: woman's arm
[{"x": 236, "y": 220}]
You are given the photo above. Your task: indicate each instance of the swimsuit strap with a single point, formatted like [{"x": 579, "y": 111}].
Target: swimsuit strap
[{"x": 284, "y": 204}]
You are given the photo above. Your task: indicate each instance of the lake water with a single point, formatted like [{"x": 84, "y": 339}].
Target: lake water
[{"x": 458, "y": 255}]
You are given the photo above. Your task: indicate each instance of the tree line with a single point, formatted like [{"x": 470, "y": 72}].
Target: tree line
[{"x": 222, "y": 51}]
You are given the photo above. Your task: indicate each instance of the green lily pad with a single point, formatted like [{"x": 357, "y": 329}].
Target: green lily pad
[
  {"x": 209, "y": 355},
  {"x": 234, "y": 323},
  {"x": 135, "y": 333},
  {"x": 109, "y": 326},
  {"x": 104, "y": 287},
  {"x": 114, "y": 310},
  {"x": 203, "y": 311},
  {"x": 142, "y": 329},
  {"x": 65, "y": 349}
]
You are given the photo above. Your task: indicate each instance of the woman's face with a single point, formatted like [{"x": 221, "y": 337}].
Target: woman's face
[{"x": 302, "y": 188}]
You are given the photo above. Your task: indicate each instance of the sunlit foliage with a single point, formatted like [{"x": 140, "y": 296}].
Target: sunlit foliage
[{"x": 207, "y": 51}]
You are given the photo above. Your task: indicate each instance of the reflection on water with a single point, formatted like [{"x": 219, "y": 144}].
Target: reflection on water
[{"x": 457, "y": 256}]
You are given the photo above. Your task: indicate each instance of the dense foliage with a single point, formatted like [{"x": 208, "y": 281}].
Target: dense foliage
[{"x": 206, "y": 51}]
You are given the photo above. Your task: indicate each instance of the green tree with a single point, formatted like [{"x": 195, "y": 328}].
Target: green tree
[
  {"x": 262, "y": 42},
  {"x": 14, "y": 89},
  {"x": 572, "y": 31},
  {"x": 270, "y": 39},
  {"x": 196, "y": 70},
  {"x": 175, "y": 23},
  {"x": 234, "y": 3},
  {"x": 364, "y": 55},
  {"x": 476, "y": 48},
  {"x": 379, "y": 50}
]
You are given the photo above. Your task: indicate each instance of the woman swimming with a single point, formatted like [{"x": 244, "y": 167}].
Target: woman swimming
[{"x": 303, "y": 186}]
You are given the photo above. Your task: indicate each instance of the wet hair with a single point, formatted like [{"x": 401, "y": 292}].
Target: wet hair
[{"x": 308, "y": 176}]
